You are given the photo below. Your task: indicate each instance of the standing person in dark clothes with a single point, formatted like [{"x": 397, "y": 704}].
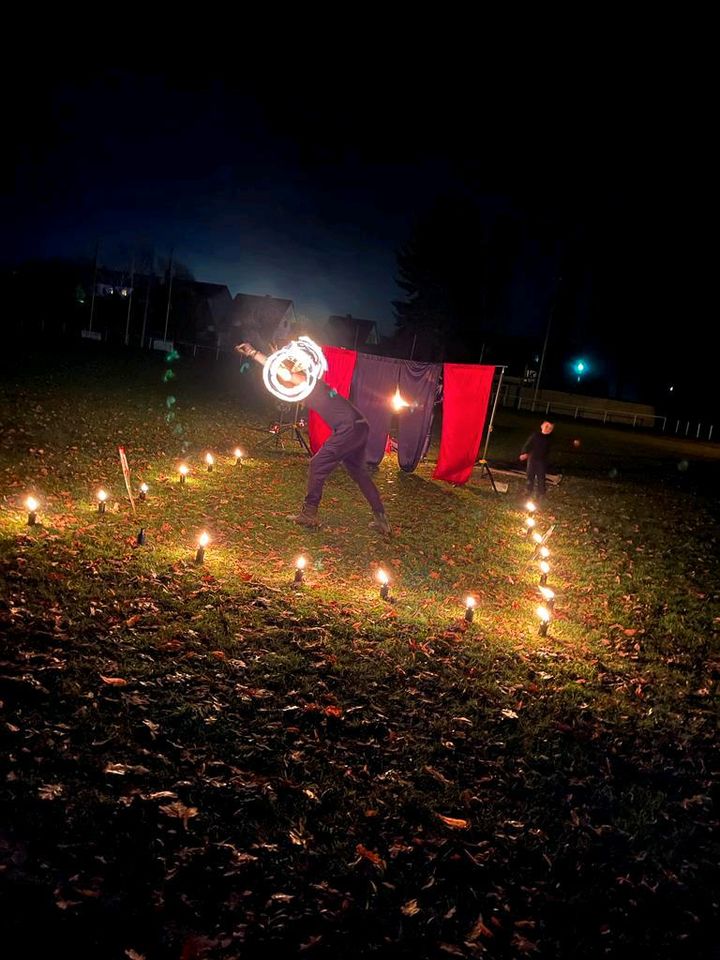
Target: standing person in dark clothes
[
  {"x": 536, "y": 450},
  {"x": 346, "y": 446}
]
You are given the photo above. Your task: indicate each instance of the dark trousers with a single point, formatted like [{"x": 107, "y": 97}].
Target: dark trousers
[
  {"x": 346, "y": 446},
  {"x": 536, "y": 473}
]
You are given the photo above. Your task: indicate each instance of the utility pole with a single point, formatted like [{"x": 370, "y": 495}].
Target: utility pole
[
  {"x": 132, "y": 284},
  {"x": 170, "y": 280},
  {"x": 547, "y": 335},
  {"x": 92, "y": 301}
]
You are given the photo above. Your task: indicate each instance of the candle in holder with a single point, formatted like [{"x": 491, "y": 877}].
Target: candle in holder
[
  {"x": 544, "y": 571},
  {"x": 548, "y": 596},
  {"x": 32, "y": 505},
  {"x": 143, "y": 491},
  {"x": 210, "y": 461},
  {"x": 203, "y": 541},
  {"x": 530, "y": 523},
  {"x": 102, "y": 498},
  {"x": 384, "y": 584},
  {"x": 299, "y": 569},
  {"x": 537, "y": 537},
  {"x": 141, "y": 537},
  {"x": 183, "y": 470},
  {"x": 238, "y": 457},
  {"x": 530, "y": 507},
  {"x": 545, "y": 616},
  {"x": 543, "y": 552},
  {"x": 470, "y": 603}
]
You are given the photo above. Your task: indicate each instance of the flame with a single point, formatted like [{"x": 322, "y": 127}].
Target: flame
[
  {"x": 300, "y": 563},
  {"x": 544, "y": 566},
  {"x": 204, "y": 539},
  {"x": 544, "y": 614},
  {"x": 238, "y": 453},
  {"x": 144, "y": 488},
  {"x": 537, "y": 537},
  {"x": 530, "y": 522},
  {"x": 544, "y": 552},
  {"x": 183, "y": 468},
  {"x": 102, "y": 496},
  {"x": 530, "y": 507},
  {"x": 470, "y": 602},
  {"x": 397, "y": 401},
  {"x": 32, "y": 504},
  {"x": 382, "y": 576},
  {"x": 547, "y": 593},
  {"x": 209, "y": 459}
]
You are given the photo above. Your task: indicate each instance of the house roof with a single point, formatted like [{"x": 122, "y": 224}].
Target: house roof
[
  {"x": 267, "y": 311},
  {"x": 352, "y": 331}
]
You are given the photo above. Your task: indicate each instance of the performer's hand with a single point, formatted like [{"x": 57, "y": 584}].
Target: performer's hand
[
  {"x": 245, "y": 348},
  {"x": 523, "y": 456}
]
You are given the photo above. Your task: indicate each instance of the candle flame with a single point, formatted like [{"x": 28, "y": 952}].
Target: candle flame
[
  {"x": 209, "y": 459},
  {"x": 544, "y": 566},
  {"x": 204, "y": 539},
  {"x": 382, "y": 576},
  {"x": 102, "y": 496},
  {"x": 300, "y": 563},
  {"x": 32, "y": 504},
  {"x": 397, "y": 401},
  {"x": 470, "y": 602},
  {"x": 547, "y": 593},
  {"x": 544, "y": 614},
  {"x": 144, "y": 488},
  {"x": 238, "y": 453},
  {"x": 530, "y": 507},
  {"x": 537, "y": 537},
  {"x": 544, "y": 552},
  {"x": 530, "y": 522},
  {"x": 183, "y": 468}
]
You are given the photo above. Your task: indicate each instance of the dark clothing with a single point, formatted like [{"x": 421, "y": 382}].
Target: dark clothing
[
  {"x": 537, "y": 446},
  {"x": 335, "y": 410},
  {"x": 345, "y": 445}
]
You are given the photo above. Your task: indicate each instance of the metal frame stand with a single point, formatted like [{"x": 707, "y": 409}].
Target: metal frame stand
[
  {"x": 482, "y": 461},
  {"x": 281, "y": 427}
]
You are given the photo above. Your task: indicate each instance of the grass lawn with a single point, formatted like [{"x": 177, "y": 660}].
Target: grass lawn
[{"x": 200, "y": 761}]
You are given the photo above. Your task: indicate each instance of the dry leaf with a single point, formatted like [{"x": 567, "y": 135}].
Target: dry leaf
[
  {"x": 454, "y": 822},
  {"x": 114, "y": 681}
]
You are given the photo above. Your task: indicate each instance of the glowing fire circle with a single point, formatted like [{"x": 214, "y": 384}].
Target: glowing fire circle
[{"x": 302, "y": 355}]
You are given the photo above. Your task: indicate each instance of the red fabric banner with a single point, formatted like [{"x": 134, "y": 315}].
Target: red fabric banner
[
  {"x": 466, "y": 392},
  {"x": 341, "y": 364}
]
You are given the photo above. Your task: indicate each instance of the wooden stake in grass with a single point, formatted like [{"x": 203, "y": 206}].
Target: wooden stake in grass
[
  {"x": 203, "y": 541},
  {"x": 32, "y": 505}
]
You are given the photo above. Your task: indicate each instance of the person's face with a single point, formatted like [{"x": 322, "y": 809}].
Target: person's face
[{"x": 547, "y": 427}]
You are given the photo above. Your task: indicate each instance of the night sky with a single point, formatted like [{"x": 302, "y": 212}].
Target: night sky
[{"x": 305, "y": 188}]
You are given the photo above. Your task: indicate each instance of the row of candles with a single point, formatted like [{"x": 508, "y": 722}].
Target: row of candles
[{"x": 545, "y": 610}]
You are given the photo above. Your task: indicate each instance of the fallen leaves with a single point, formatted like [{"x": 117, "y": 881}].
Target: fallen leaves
[{"x": 180, "y": 812}]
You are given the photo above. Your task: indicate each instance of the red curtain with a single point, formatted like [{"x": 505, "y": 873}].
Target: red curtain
[
  {"x": 341, "y": 364},
  {"x": 466, "y": 392}
]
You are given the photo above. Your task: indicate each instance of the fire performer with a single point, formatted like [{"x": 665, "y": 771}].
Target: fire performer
[{"x": 293, "y": 374}]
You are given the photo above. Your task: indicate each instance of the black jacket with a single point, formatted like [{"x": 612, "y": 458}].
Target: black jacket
[{"x": 538, "y": 445}]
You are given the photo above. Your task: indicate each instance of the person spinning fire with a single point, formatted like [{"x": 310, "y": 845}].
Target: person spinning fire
[{"x": 346, "y": 445}]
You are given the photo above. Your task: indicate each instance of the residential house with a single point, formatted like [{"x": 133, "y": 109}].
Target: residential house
[
  {"x": 351, "y": 332},
  {"x": 259, "y": 320}
]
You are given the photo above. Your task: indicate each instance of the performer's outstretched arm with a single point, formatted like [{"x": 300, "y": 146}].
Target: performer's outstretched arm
[{"x": 248, "y": 350}]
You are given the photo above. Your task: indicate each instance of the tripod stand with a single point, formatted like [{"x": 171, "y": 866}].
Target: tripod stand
[{"x": 285, "y": 424}]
